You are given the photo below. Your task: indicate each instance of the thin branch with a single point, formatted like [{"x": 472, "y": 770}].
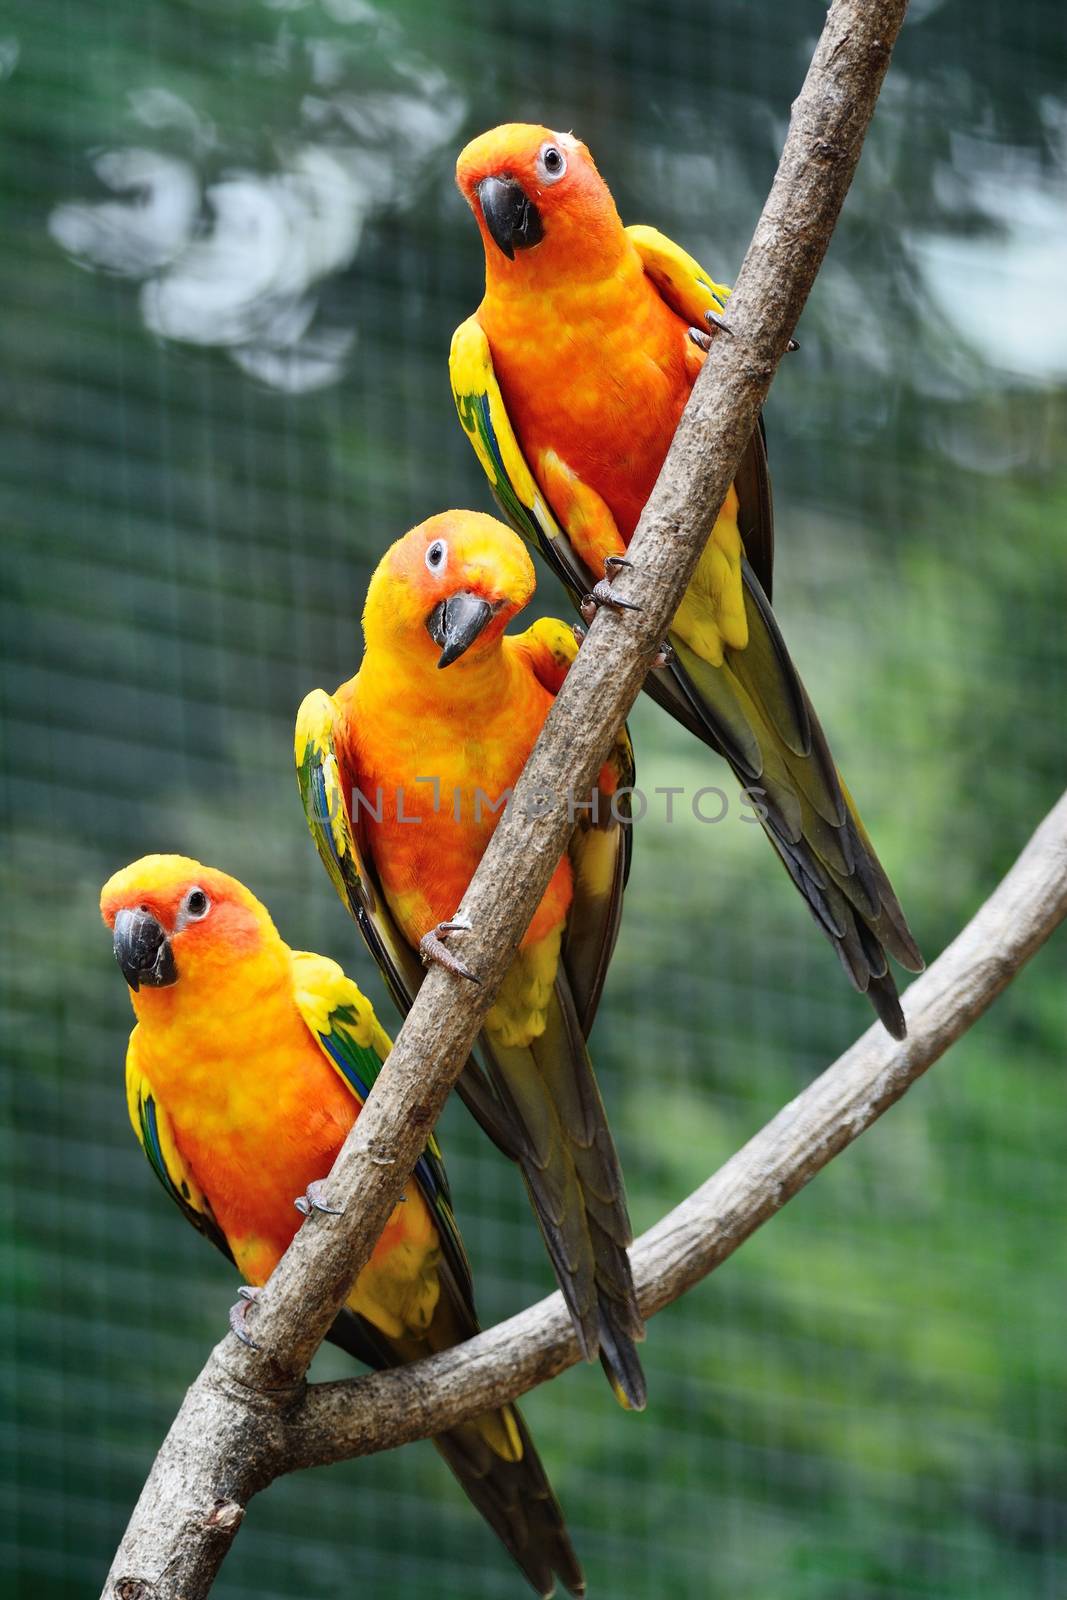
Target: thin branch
[
  {"x": 358, "y": 1416},
  {"x": 220, "y": 1448}
]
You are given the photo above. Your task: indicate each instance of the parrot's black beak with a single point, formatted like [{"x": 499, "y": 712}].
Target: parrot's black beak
[
  {"x": 455, "y": 623},
  {"x": 143, "y": 950},
  {"x": 510, "y": 215}
]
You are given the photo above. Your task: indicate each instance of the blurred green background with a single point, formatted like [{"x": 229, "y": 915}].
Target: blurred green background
[{"x": 231, "y": 258}]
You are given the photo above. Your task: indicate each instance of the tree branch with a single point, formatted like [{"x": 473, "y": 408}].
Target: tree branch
[
  {"x": 354, "y": 1417},
  {"x": 222, "y": 1445}
]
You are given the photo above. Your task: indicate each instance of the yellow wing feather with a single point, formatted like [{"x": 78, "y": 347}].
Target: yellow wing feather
[
  {"x": 679, "y": 277},
  {"x": 485, "y": 420}
]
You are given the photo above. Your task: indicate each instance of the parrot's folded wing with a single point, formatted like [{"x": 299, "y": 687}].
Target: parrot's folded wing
[
  {"x": 322, "y": 790},
  {"x": 341, "y": 1019},
  {"x": 601, "y": 844},
  {"x": 322, "y": 782},
  {"x": 152, "y": 1126},
  {"x": 485, "y": 420},
  {"x": 690, "y": 292},
  {"x": 679, "y": 277}
]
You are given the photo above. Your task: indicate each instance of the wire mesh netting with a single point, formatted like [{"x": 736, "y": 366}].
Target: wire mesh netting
[{"x": 231, "y": 258}]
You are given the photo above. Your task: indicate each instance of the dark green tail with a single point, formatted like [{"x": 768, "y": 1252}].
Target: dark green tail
[
  {"x": 513, "y": 1495},
  {"x": 556, "y": 1129},
  {"x": 754, "y": 710}
]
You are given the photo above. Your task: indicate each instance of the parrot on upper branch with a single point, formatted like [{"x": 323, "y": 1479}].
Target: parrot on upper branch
[{"x": 570, "y": 380}]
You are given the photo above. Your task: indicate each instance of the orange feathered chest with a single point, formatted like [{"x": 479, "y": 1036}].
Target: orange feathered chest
[
  {"x": 256, "y": 1109},
  {"x": 430, "y": 775},
  {"x": 599, "y": 373}
]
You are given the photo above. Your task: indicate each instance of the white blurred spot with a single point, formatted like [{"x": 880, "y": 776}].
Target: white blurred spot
[
  {"x": 1002, "y": 288},
  {"x": 141, "y": 232},
  {"x": 238, "y": 262}
]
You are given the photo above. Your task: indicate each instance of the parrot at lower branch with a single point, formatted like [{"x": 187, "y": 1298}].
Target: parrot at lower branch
[
  {"x": 570, "y": 380},
  {"x": 404, "y": 772},
  {"x": 246, "y": 1069}
]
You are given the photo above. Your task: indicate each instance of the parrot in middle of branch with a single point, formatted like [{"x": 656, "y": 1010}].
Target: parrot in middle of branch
[
  {"x": 570, "y": 380},
  {"x": 404, "y": 772},
  {"x": 248, "y": 1065}
]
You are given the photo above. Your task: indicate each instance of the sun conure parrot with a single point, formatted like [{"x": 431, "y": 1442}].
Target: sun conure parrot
[
  {"x": 400, "y": 771},
  {"x": 248, "y": 1065},
  {"x": 570, "y": 379}
]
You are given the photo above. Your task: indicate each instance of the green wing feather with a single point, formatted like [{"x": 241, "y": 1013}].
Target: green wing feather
[
  {"x": 320, "y": 779},
  {"x": 324, "y": 786},
  {"x": 152, "y": 1126},
  {"x": 485, "y": 421},
  {"x": 510, "y": 1490},
  {"x": 755, "y": 711},
  {"x": 342, "y": 1021}
]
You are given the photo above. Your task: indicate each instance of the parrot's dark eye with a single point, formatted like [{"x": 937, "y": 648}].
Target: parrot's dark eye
[
  {"x": 437, "y": 555},
  {"x": 551, "y": 163},
  {"x": 196, "y": 906}
]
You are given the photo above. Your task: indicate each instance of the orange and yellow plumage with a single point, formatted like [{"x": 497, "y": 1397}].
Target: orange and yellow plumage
[
  {"x": 248, "y": 1065},
  {"x": 404, "y": 771},
  {"x": 570, "y": 380}
]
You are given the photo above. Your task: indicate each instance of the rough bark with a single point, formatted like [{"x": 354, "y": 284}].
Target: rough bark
[{"x": 218, "y": 1450}]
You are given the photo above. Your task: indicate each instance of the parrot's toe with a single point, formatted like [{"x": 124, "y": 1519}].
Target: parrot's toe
[
  {"x": 247, "y": 1295},
  {"x": 604, "y": 595},
  {"x": 314, "y": 1200},
  {"x": 720, "y": 324},
  {"x": 434, "y": 951}
]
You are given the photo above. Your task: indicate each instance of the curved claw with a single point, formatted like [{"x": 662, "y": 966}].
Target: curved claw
[
  {"x": 663, "y": 656},
  {"x": 313, "y": 1200},
  {"x": 604, "y": 595},
  {"x": 246, "y": 1298},
  {"x": 714, "y": 320},
  {"x": 434, "y": 951},
  {"x": 701, "y": 339}
]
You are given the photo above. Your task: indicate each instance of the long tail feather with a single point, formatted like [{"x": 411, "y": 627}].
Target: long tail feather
[
  {"x": 755, "y": 711},
  {"x": 517, "y": 1501},
  {"x": 568, "y": 1159},
  {"x": 493, "y": 1456}
]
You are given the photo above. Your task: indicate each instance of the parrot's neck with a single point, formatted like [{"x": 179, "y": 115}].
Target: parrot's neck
[
  {"x": 190, "y": 1028},
  {"x": 575, "y": 263},
  {"x": 390, "y": 681}
]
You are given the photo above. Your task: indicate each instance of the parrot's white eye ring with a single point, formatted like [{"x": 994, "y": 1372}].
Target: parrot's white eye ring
[
  {"x": 551, "y": 163},
  {"x": 436, "y": 556},
  {"x": 195, "y": 906}
]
